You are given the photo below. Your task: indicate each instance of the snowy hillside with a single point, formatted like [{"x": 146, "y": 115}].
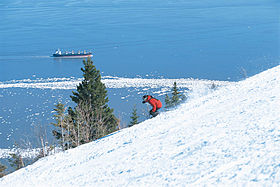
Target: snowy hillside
[{"x": 231, "y": 136}]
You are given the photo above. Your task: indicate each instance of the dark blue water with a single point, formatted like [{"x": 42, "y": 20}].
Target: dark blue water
[
  {"x": 200, "y": 39},
  {"x": 221, "y": 40}
]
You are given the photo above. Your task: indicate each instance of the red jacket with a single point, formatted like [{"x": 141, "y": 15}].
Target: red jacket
[{"x": 156, "y": 104}]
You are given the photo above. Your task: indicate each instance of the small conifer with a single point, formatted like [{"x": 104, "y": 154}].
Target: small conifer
[
  {"x": 175, "y": 95},
  {"x": 134, "y": 117},
  {"x": 167, "y": 101},
  {"x": 16, "y": 161},
  {"x": 176, "y": 98},
  {"x": 2, "y": 169},
  {"x": 59, "y": 132}
]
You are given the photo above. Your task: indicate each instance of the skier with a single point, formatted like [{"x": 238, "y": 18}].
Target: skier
[{"x": 155, "y": 103}]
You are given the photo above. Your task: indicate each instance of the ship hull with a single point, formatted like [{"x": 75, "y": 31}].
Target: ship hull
[{"x": 72, "y": 55}]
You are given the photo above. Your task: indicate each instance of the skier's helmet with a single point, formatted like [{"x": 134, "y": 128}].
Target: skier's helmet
[{"x": 145, "y": 97}]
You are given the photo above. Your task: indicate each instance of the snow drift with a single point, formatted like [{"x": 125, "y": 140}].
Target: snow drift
[{"x": 230, "y": 136}]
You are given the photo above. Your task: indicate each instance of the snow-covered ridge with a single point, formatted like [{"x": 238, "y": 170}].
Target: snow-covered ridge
[
  {"x": 229, "y": 137},
  {"x": 109, "y": 81}
]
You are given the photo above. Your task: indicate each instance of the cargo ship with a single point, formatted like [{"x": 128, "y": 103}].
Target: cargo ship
[{"x": 80, "y": 54}]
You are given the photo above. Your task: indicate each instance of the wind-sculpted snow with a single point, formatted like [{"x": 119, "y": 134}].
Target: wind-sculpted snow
[
  {"x": 229, "y": 137},
  {"x": 110, "y": 82}
]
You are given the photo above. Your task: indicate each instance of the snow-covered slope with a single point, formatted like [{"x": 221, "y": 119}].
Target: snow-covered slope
[{"x": 231, "y": 136}]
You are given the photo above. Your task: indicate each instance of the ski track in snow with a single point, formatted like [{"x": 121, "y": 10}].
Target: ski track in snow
[{"x": 228, "y": 137}]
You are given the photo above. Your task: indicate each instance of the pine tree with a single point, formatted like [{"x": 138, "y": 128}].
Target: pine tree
[
  {"x": 91, "y": 118},
  {"x": 2, "y": 169},
  {"x": 213, "y": 86},
  {"x": 59, "y": 133},
  {"x": 176, "y": 98},
  {"x": 167, "y": 101},
  {"x": 92, "y": 114},
  {"x": 134, "y": 117},
  {"x": 16, "y": 161},
  {"x": 175, "y": 95}
]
